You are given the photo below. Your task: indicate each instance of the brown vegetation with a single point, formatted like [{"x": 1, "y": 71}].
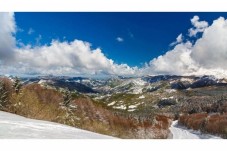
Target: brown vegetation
[
  {"x": 37, "y": 102},
  {"x": 213, "y": 123}
]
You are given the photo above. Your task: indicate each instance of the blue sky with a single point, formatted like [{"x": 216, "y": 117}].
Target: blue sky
[
  {"x": 145, "y": 35},
  {"x": 133, "y": 44}
]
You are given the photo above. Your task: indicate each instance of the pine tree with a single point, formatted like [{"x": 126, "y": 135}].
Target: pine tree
[
  {"x": 17, "y": 85},
  {"x": 69, "y": 117},
  {"x": 3, "y": 95},
  {"x": 67, "y": 98}
]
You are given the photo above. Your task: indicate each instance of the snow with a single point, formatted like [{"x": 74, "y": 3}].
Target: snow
[
  {"x": 112, "y": 103},
  {"x": 122, "y": 107},
  {"x": 142, "y": 97},
  {"x": 180, "y": 132},
  {"x": 137, "y": 90},
  {"x": 170, "y": 90},
  {"x": 15, "y": 126},
  {"x": 99, "y": 97},
  {"x": 171, "y": 97},
  {"x": 42, "y": 81},
  {"x": 138, "y": 85},
  {"x": 134, "y": 106},
  {"x": 186, "y": 80},
  {"x": 131, "y": 110},
  {"x": 139, "y": 81}
]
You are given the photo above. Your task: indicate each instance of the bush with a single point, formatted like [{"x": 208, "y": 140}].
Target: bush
[{"x": 213, "y": 123}]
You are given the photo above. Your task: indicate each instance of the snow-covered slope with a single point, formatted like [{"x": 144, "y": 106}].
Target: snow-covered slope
[
  {"x": 14, "y": 126},
  {"x": 178, "y": 132}
]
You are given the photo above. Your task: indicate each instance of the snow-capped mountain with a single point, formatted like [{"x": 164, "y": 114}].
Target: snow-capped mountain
[{"x": 131, "y": 85}]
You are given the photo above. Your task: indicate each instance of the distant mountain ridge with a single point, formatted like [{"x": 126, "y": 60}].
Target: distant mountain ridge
[{"x": 125, "y": 84}]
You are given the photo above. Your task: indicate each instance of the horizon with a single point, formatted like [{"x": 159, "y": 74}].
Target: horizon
[{"x": 102, "y": 77}]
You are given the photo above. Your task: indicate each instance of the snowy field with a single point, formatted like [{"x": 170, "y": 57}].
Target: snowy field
[
  {"x": 15, "y": 126},
  {"x": 179, "y": 132}
]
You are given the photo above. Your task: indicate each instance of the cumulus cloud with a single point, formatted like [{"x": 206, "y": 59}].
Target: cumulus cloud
[
  {"x": 198, "y": 26},
  {"x": 58, "y": 58},
  {"x": 210, "y": 51},
  {"x": 176, "y": 61},
  {"x": 69, "y": 57},
  {"x": 208, "y": 56},
  {"x": 7, "y": 40},
  {"x": 119, "y": 39}
]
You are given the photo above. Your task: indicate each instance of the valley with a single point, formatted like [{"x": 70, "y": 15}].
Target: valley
[{"x": 123, "y": 107}]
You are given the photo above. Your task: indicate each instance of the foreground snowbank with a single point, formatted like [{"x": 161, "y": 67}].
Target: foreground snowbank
[
  {"x": 178, "y": 132},
  {"x": 15, "y": 126}
]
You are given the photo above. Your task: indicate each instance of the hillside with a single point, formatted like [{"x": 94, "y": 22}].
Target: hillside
[
  {"x": 14, "y": 126},
  {"x": 123, "y": 107}
]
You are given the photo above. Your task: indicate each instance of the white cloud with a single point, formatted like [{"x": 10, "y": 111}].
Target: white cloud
[
  {"x": 179, "y": 39},
  {"x": 7, "y": 40},
  {"x": 58, "y": 58},
  {"x": 210, "y": 51},
  {"x": 199, "y": 26},
  {"x": 119, "y": 39},
  {"x": 208, "y": 56},
  {"x": 176, "y": 61},
  {"x": 69, "y": 57},
  {"x": 31, "y": 31}
]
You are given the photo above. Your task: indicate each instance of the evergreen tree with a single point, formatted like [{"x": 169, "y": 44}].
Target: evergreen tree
[
  {"x": 68, "y": 117},
  {"x": 17, "y": 85},
  {"x": 3, "y": 95},
  {"x": 67, "y": 98}
]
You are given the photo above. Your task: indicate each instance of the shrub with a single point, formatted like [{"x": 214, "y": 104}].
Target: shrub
[
  {"x": 213, "y": 123},
  {"x": 45, "y": 95}
]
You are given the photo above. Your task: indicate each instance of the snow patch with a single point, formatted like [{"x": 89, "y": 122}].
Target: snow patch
[
  {"x": 168, "y": 98},
  {"x": 131, "y": 110},
  {"x": 42, "y": 81},
  {"x": 122, "y": 107},
  {"x": 134, "y": 106},
  {"x": 186, "y": 80},
  {"x": 99, "y": 97},
  {"x": 112, "y": 103},
  {"x": 170, "y": 90},
  {"x": 139, "y": 82},
  {"x": 142, "y": 97}
]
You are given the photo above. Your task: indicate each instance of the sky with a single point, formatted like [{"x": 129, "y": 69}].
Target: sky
[{"x": 113, "y": 43}]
